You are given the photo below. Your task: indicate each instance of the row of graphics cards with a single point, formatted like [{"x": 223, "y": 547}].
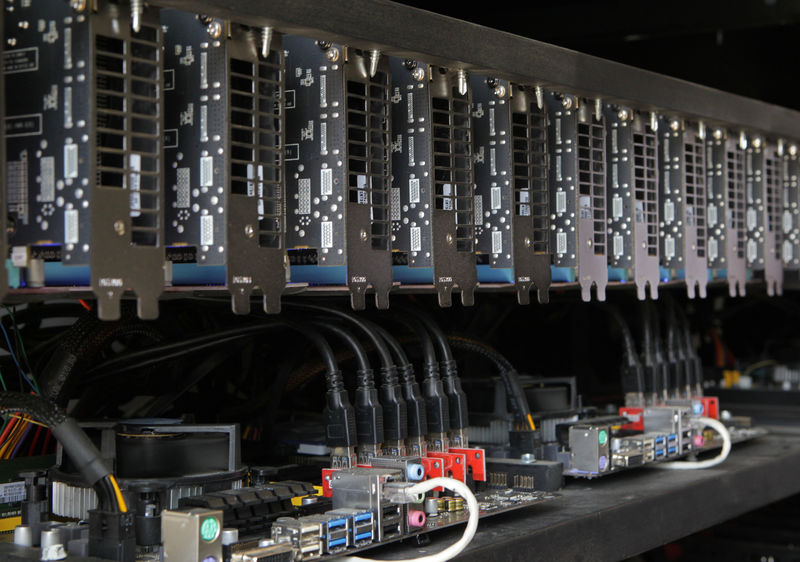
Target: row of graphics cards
[{"x": 191, "y": 153}]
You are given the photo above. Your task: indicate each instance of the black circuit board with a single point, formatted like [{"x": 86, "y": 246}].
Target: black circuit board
[
  {"x": 411, "y": 162},
  {"x": 196, "y": 97},
  {"x": 49, "y": 133},
  {"x": 490, "y": 502},
  {"x": 738, "y": 435},
  {"x": 316, "y": 150},
  {"x": 491, "y": 122}
]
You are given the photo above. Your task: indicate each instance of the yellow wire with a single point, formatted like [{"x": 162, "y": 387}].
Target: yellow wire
[
  {"x": 9, "y": 439},
  {"x": 117, "y": 492},
  {"x": 28, "y": 420},
  {"x": 13, "y": 439},
  {"x": 530, "y": 421}
]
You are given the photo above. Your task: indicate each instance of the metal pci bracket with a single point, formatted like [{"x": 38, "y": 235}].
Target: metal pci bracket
[
  {"x": 368, "y": 223},
  {"x": 578, "y": 190},
  {"x": 683, "y": 204},
  {"x": 725, "y": 213},
  {"x": 531, "y": 191},
  {"x": 763, "y": 197},
  {"x": 633, "y": 197},
  {"x": 773, "y": 209},
  {"x": 127, "y": 197},
  {"x": 453, "y": 193},
  {"x": 256, "y": 224},
  {"x": 791, "y": 209}
]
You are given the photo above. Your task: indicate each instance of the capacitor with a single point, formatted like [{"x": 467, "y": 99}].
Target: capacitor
[{"x": 432, "y": 507}]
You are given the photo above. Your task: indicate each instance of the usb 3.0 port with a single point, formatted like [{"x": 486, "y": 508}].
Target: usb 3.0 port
[
  {"x": 660, "y": 440},
  {"x": 337, "y": 542},
  {"x": 660, "y": 453},
  {"x": 672, "y": 450},
  {"x": 672, "y": 437},
  {"x": 362, "y": 517},
  {"x": 364, "y": 536},
  {"x": 336, "y": 523}
]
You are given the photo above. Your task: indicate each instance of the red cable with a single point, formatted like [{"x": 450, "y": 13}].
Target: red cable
[
  {"x": 46, "y": 442},
  {"x": 34, "y": 440},
  {"x": 11, "y": 423}
]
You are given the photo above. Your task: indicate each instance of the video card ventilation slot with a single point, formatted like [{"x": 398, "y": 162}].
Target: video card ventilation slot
[
  {"x": 368, "y": 153},
  {"x": 645, "y": 185},
  {"x": 452, "y": 154},
  {"x": 369, "y": 225},
  {"x": 773, "y": 195},
  {"x": 453, "y": 191},
  {"x": 735, "y": 216},
  {"x": 791, "y": 210},
  {"x": 531, "y": 194},
  {"x": 256, "y": 229},
  {"x": 256, "y": 141},
  {"x": 127, "y": 204},
  {"x": 592, "y": 180}
]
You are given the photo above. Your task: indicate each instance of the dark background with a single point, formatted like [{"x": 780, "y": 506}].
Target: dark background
[{"x": 749, "y": 47}]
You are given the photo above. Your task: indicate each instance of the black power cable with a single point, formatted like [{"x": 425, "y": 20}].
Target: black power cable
[{"x": 509, "y": 376}]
